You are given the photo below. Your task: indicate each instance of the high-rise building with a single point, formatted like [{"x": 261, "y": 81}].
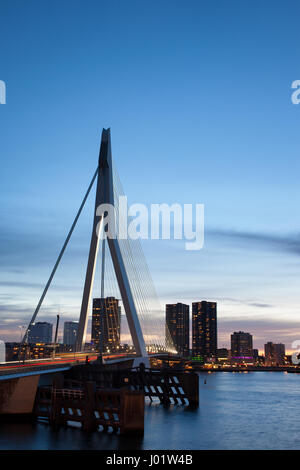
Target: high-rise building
[
  {"x": 241, "y": 347},
  {"x": 106, "y": 324},
  {"x": 70, "y": 332},
  {"x": 204, "y": 326},
  {"x": 178, "y": 327},
  {"x": 40, "y": 332},
  {"x": 274, "y": 354}
]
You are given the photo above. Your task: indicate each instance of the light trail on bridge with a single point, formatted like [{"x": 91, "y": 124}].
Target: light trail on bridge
[
  {"x": 66, "y": 358},
  {"x": 46, "y": 362}
]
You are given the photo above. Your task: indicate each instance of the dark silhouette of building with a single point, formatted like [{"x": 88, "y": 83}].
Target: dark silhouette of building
[
  {"x": 204, "y": 326},
  {"x": 241, "y": 347},
  {"x": 40, "y": 332},
  {"x": 70, "y": 333},
  {"x": 222, "y": 355},
  {"x": 106, "y": 324},
  {"x": 274, "y": 354},
  {"x": 255, "y": 354},
  {"x": 178, "y": 327}
]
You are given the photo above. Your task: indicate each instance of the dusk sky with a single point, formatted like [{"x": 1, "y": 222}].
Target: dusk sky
[{"x": 198, "y": 98}]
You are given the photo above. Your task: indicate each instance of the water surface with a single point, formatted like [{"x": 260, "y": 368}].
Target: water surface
[{"x": 257, "y": 410}]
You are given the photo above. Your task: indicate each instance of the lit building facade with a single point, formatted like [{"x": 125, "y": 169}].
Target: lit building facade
[
  {"x": 204, "y": 329},
  {"x": 106, "y": 324},
  {"x": 178, "y": 327},
  {"x": 241, "y": 347},
  {"x": 70, "y": 332},
  {"x": 40, "y": 332},
  {"x": 15, "y": 352},
  {"x": 274, "y": 354}
]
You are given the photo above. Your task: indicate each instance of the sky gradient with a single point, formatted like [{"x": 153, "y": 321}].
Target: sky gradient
[{"x": 198, "y": 99}]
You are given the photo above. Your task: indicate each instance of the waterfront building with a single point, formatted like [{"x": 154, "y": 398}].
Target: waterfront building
[
  {"x": 178, "y": 327},
  {"x": 14, "y": 351},
  {"x": 222, "y": 355},
  {"x": 241, "y": 347},
  {"x": 106, "y": 324},
  {"x": 70, "y": 333},
  {"x": 40, "y": 332},
  {"x": 204, "y": 329},
  {"x": 274, "y": 354}
]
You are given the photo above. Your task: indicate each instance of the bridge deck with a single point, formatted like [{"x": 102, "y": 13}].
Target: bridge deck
[{"x": 43, "y": 366}]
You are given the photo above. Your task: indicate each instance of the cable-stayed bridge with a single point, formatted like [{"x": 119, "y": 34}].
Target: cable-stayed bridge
[
  {"x": 124, "y": 271},
  {"x": 56, "y": 390}
]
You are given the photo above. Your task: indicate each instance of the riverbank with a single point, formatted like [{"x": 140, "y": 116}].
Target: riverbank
[{"x": 289, "y": 369}]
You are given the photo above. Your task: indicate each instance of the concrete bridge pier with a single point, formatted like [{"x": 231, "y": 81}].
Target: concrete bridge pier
[{"x": 17, "y": 398}]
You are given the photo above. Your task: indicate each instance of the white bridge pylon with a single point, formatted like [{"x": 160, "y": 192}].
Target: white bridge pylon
[{"x": 105, "y": 195}]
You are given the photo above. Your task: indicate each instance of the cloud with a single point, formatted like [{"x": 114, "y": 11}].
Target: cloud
[
  {"x": 17, "y": 247},
  {"x": 288, "y": 243},
  {"x": 34, "y": 285},
  {"x": 14, "y": 309},
  {"x": 231, "y": 300},
  {"x": 187, "y": 294},
  {"x": 20, "y": 247},
  {"x": 14, "y": 315},
  {"x": 263, "y": 330}
]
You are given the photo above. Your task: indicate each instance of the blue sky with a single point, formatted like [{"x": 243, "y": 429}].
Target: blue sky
[{"x": 198, "y": 98}]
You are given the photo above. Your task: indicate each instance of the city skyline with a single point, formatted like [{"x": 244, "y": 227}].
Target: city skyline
[
  {"x": 177, "y": 315},
  {"x": 226, "y": 109},
  {"x": 178, "y": 320}
]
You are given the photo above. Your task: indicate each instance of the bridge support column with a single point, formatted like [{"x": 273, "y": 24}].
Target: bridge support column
[
  {"x": 17, "y": 397},
  {"x": 141, "y": 360},
  {"x": 132, "y": 412},
  {"x": 105, "y": 196},
  {"x": 89, "y": 422},
  {"x": 191, "y": 387}
]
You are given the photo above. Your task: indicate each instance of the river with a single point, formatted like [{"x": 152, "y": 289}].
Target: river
[{"x": 256, "y": 410}]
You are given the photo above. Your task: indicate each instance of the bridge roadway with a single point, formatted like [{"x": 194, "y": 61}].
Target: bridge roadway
[
  {"x": 16, "y": 369},
  {"x": 19, "y": 381},
  {"x": 65, "y": 361}
]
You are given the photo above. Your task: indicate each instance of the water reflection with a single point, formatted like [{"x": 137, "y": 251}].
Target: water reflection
[{"x": 237, "y": 411}]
